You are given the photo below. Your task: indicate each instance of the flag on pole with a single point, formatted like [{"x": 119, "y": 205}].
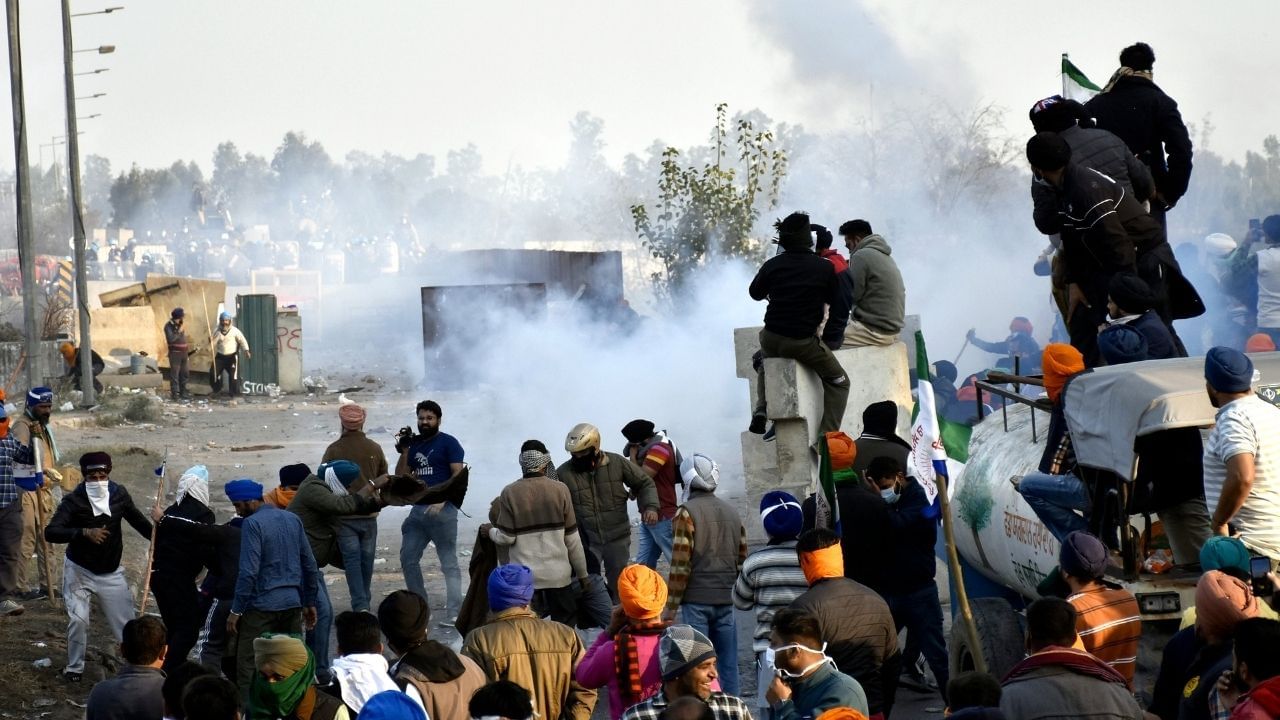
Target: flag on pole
[
  {"x": 826, "y": 509},
  {"x": 934, "y": 441},
  {"x": 1075, "y": 85}
]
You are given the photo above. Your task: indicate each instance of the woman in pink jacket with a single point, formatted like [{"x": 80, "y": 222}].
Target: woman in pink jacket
[{"x": 625, "y": 655}]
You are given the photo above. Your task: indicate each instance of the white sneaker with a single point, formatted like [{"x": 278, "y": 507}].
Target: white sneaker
[{"x": 9, "y": 607}]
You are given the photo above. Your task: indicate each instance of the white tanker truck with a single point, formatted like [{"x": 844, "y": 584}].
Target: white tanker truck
[{"x": 999, "y": 537}]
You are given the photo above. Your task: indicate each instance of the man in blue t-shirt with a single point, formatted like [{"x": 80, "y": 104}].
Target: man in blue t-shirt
[{"x": 434, "y": 457}]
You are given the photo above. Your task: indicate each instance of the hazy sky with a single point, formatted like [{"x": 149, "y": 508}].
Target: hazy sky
[{"x": 430, "y": 76}]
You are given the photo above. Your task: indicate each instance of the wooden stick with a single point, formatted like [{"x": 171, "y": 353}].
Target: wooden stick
[
  {"x": 953, "y": 561},
  {"x": 41, "y": 544},
  {"x": 22, "y": 359},
  {"x": 155, "y": 528}
]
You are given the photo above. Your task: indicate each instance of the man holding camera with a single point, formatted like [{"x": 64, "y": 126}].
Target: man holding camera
[{"x": 434, "y": 458}]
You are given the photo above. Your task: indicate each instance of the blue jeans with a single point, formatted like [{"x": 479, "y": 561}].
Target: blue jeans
[
  {"x": 716, "y": 622},
  {"x": 318, "y": 639},
  {"x": 654, "y": 540},
  {"x": 920, "y": 612},
  {"x": 357, "y": 540},
  {"x": 421, "y": 528},
  {"x": 1055, "y": 498}
]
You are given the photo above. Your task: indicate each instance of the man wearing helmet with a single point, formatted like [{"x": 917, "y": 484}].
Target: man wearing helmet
[
  {"x": 601, "y": 483},
  {"x": 227, "y": 342}
]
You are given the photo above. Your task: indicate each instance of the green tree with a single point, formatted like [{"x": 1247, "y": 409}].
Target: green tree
[{"x": 711, "y": 210}]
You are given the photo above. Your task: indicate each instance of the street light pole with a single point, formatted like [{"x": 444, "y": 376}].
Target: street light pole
[
  {"x": 77, "y": 216},
  {"x": 22, "y": 186}
]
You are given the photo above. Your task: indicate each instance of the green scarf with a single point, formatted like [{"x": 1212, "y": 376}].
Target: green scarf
[
  {"x": 844, "y": 476},
  {"x": 273, "y": 700}
]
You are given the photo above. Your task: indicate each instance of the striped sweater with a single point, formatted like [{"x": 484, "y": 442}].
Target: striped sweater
[
  {"x": 770, "y": 579},
  {"x": 1109, "y": 625}
]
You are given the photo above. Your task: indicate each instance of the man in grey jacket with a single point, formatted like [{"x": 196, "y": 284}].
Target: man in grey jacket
[{"x": 879, "y": 296}]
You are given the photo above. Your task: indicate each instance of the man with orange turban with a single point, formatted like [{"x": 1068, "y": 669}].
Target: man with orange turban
[
  {"x": 625, "y": 656},
  {"x": 864, "y": 520},
  {"x": 1055, "y": 493},
  {"x": 855, "y": 622}
]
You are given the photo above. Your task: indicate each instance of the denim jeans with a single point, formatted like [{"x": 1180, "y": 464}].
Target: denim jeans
[
  {"x": 716, "y": 622},
  {"x": 357, "y": 540},
  {"x": 920, "y": 612},
  {"x": 427, "y": 524},
  {"x": 1054, "y": 499},
  {"x": 318, "y": 639},
  {"x": 654, "y": 540}
]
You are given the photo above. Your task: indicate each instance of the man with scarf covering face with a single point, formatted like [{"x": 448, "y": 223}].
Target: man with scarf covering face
[
  {"x": 11, "y": 451},
  {"x": 284, "y": 685},
  {"x": 539, "y": 655},
  {"x": 708, "y": 548},
  {"x": 534, "y": 525},
  {"x": 178, "y": 560},
  {"x": 32, "y": 428},
  {"x": 625, "y": 656},
  {"x": 89, "y": 521}
]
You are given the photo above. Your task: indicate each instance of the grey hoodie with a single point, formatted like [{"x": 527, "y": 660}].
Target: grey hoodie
[{"x": 879, "y": 297}]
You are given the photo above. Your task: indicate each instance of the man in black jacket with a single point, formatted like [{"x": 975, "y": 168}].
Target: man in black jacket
[
  {"x": 1148, "y": 121},
  {"x": 178, "y": 560},
  {"x": 798, "y": 284},
  {"x": 910, "y": 590},
  {"x": 89, "y": 520}
]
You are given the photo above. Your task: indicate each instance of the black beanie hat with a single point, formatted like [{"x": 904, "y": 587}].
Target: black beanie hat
[
  {"x": 881, "y": 418},
  {"x": 95, "y": 461},
  {"x": 793, "y": 232},
  {"x": 293, "y": 475},
  {"x": 1130, "y": 292},
  {"x": 1048, "y": 151},
  {"x": 637, "y": 431}
]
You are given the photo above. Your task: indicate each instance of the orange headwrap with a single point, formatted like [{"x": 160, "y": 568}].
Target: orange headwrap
[
  {"x": 1222, "y": 602},
  {"x": 642, "y": 591},
  {"x": 1060, "y": 361},
  {"x": 822, "y": 563},
  {"x": 841, "y": 713},
  {"x": 842, "y": 450},
  {"x": 351, "y": 416},
  {"x": 1260, "y": 342},
  {"x": 68, "y": 352}
]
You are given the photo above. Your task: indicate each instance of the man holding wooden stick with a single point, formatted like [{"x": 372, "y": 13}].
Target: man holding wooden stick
[
  {"x": 89, "y": 521},
  {"x": 32, "y": 429}
]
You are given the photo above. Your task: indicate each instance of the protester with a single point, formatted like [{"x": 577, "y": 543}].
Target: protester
[
  {"x": 1241, "y": 474},
  {"x": 537, "y": 654},
  {"x": 210, "y": 698},
  {"x": 435, "y": 677},
  {"x": 176, "y": 682},
  {"x": 657, "y": 456},
  {"x": 534, "y": 525},
  {"x": 910, "y": 589},
  {"x": 321, "y": 502},
  {"x": 503, "y": 700},
  {"x": 179, "y": 345},
  {"x": 31, "y": 428},
  {"x": 89, "y": 521},
  {"x": 1093, "y": 147},
  {"x": 708, "y": 551},
  {"x": 798, "y": 284},
  {"x": 1256, "y": 669},
  {"x": 974, "y": 696},
  {"x": 1230, "y": 556},
  {"x": 360, "y": 671},
  {"x": 823, "y": 240},
  {"x": 71, "y": 355},
  {"x": 1108, "y": 621},
  {"x": 178, "y": 560},
  {"x": 1021, "y": 351},
  {"x": 879, "y": 436},
  {"x": 1055, "y": 492},
  {"x": 864, "y": 519},
  {"x": 624, "y": 657},
  {"x": 284, "y": 685},
  {"x": 771, "y": 578},
  {"x": 291, "y": 476},
  {"x": 806, "y": 682},
  {"x": 878, "y": 312},
  {"x": 1130, "y": 302},
  {"x": 600, "y": 484},
  {"x": 1059, "y": 681},
  {"x": 135, "y": 691},
  {"x": 688, "y": 664},
  {"x": 277, "y": 584},
  {"x": 855, "y": 622},
  {"x": 1147, "y": 120},
  {"x": 357, "y": 534},
  {"x": 434, "y": 457},
  {"x": 227, "y": 342},
  {"x": 11, "y": 517}
]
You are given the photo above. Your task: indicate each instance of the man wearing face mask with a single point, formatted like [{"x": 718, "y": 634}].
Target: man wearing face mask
[
  {"x": 600, "y": 484},
  {"x": 806, "y": 682},
  {"x": 10, "y": 516},
  {"x": 29, "y": 428},
  {"x": 434, "y": 457},
  {"x": 89, "y": 521},
  {"x": 911, "y": 590}
]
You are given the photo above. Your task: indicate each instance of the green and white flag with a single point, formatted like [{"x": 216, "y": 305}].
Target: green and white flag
[{"x": 1075, "y": 85}]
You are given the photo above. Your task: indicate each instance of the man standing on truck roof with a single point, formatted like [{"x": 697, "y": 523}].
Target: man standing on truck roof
[
  {"x": 1107, "y": 617},
  {"x": 1242, "y": 455}
]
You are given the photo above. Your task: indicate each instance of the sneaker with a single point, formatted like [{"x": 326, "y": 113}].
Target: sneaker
[
  {"x": 771, "y": 433},
  {"x": 32, "y": 595},
  {"x": 757, "y": 424},
  {"x": 9, "y": 607},
  {"x": 71, "y": 677}
]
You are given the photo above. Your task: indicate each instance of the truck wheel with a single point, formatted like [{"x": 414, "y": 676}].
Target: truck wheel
[{"x": 999, "y": 631}]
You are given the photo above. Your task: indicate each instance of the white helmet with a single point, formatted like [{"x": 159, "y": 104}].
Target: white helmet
[{"x": 582, "y": 437}]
